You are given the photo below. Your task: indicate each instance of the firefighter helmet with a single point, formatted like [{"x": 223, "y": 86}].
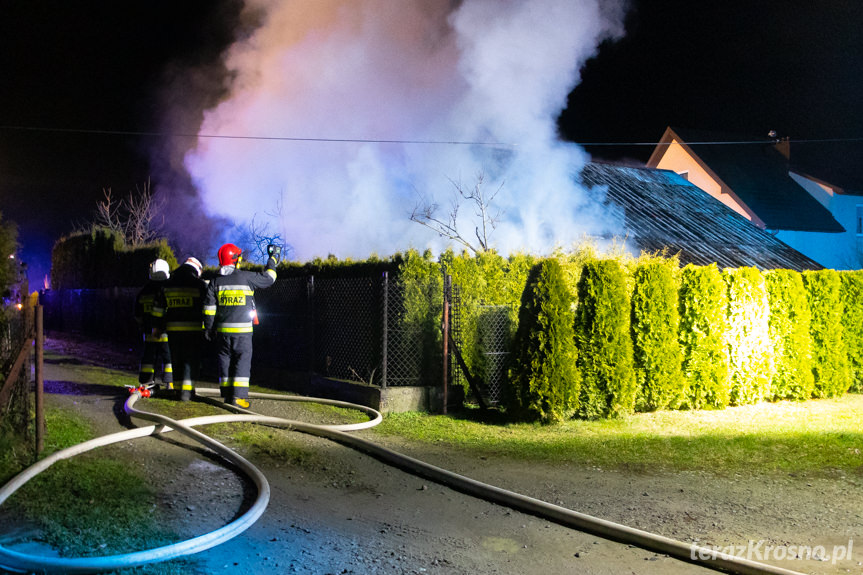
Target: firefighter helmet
[
  {"x": 195, "y": 264},
  {"x": 229, "y": 255},
  {"x": 159, "y": 270}
]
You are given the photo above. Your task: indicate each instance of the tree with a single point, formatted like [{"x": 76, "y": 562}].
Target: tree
[
  {"x": 9, "y": 266},
  {"x": 424, "y": 214},
  {"x": 544, "y": 379},
  {"x": 135, "y": 218},
  {"x": 260, "y": 234}
]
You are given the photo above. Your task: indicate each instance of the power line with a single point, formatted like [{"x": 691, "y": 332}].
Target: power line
[
  {"x": 397, "y": 141},
  {"x": 241, "y": 137}
]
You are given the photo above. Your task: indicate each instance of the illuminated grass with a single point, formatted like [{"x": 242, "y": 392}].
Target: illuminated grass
[{"x": 813, "y": 437}]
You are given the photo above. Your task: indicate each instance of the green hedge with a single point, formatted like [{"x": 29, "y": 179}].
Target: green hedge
[
  {"x": 789, "y": 333},
  {"x": 703, "y": 299},
  {"x": 851, "y": 293},
  {"x": 829, "y": 355},
  {"x": 655, "y": 322},
  {"x": 603, "y": 341},
  {"x": 747, "y": 336},
  {"x": 99, "y": 259},
  {"x": 544, "y": 380}
]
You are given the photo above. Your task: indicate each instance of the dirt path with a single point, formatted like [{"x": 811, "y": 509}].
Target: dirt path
[{"x": 343, "y": 512}]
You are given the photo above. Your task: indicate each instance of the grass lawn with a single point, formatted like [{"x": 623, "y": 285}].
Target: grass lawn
[{"x": 812, "y": 437}]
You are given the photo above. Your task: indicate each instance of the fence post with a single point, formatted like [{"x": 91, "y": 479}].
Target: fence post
[
  {"x": 385, "y": 330},
  {"x": 40, "y": 387},
  {"x": 310, "y": 326},
  {"x": 447, "y": 286}
]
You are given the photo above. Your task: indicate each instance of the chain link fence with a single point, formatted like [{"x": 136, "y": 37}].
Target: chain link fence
[{"x": 352, "y": 328}]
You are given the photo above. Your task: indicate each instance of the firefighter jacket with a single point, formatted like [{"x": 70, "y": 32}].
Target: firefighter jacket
[
  {"x": 144, "y": 302},
  {"x": 229, "y": 305},
  {"x": 179, "y": 304}
]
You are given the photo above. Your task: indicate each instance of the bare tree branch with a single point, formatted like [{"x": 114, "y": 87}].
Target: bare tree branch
[{"x": 424, "y": 213}]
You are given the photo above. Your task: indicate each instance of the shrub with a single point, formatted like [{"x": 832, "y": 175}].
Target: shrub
[
  {"x": 789, "y": 333},
  {"x": 655, "y": 322},
  {"x": 747, "y": 336},
  {"x": 829, "y": 356},
  {"x": 851, "y": 293},
  {"x": 603, "y": 341},
  {"x": 544, "y": 380},
  {"x": 703, "y": 299}
]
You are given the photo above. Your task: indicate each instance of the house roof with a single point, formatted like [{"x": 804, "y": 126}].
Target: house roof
[
  {"x": 837, "y": 163},
  {"x": 757, "y": 174},
  {"x": 662, "y": 210}
]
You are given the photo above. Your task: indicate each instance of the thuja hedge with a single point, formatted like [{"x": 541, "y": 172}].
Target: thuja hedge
[
  {"x": 544, "y": 379},
  {"x": 747, "y": 336},
  {"x": 603, "y": 341},
  {"x": 851, "y": 294},
  {"x": 99, "y": 259},
  {"x": 830, "y": 356},
  {"x": 703, "y": 301},
  {"x": 789, "y": 332},
  {"x": 655, "y": 324}
]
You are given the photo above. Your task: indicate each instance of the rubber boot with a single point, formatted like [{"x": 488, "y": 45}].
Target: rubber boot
[{"x": 239, "y": 402}]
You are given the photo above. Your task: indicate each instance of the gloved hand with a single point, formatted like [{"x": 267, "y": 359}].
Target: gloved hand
[
  {"x": 275, "y": 252},
  {"x": 209, "y": 335}
]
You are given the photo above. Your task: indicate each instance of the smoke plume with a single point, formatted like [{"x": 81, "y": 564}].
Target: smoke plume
[{"x": 344, "y": 115}]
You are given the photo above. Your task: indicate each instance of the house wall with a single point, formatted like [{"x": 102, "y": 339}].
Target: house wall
[
  {"x": 678, "y": 160},
  {"x": 841, "y": 251}
]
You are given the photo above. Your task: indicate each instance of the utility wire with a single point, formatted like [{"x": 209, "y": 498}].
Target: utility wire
[{"x": 396, "y": 141}]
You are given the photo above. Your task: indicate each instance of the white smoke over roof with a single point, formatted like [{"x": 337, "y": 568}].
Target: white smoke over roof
[{"x": 322, "y": 81}]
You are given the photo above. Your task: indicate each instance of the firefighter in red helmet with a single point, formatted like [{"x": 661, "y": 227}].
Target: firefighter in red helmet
[{"x": 229, "y": 314}]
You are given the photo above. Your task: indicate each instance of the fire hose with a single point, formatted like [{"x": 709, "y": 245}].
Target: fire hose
[{"x": 26, "y": 563}]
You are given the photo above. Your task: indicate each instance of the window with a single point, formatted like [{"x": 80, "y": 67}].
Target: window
[{"x": 859, "y": 220}]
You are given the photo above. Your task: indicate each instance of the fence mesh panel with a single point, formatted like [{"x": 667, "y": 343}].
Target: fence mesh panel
[{"x": 15, "y": 328}]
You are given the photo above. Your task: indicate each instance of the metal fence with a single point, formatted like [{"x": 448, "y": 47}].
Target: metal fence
[{"x": 352, "y": 328}]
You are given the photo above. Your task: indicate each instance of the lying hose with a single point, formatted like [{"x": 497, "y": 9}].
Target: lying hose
[{"x": 21, "y": 562}]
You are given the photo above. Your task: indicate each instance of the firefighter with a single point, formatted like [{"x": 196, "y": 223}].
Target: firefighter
[
  {"x": 179, "y": 312},
  {"x": 156, "y": 353},
  {"x": 229, "y": 314}
]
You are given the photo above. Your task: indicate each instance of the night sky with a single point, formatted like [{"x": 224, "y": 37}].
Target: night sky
[{"x": 83, "y": 88}]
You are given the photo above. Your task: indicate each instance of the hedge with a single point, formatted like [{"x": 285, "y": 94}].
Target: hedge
[
  {"x": 789, "y": 333},
  {"x": 829, "y": 355},
  {"x": 544, "y": 380},
  {"x": 747, "y": 336},
  {"x": 603, "y": 341},
  {"x": 99, "y": 259},
  {"x": 655, "y": 322},
  {"x": 703, "y": 299},
  {"x": 851, "y": 293}
]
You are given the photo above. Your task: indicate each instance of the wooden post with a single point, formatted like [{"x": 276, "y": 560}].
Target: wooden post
[{"x": 40, "y": 387}]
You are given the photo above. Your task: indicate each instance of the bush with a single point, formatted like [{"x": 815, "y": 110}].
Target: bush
[
  {"x": 98, "y": 259},
  {"x": 703, "y": 299},
  {"x": 603, "y": 341},
  {"x": 544, "y": 381},
  {"x": 789, "y": 333},
  {"x": 851, "y": 293},
  {"x": 655, "y": 323},
  {"x": 829, "y": 355},
  {"x": 747, "y": 336}
]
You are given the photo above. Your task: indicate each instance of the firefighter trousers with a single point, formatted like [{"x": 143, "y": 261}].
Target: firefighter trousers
[
  {"x": 155, "y": 360},
  {"x": 234, "y": 353},
  {"x": 185, "y": 357}
]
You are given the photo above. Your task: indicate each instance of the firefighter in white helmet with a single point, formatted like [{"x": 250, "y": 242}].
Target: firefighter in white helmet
[
  {"x": 178, "y": 311},
  {"x": 156, "y": 359},
  {"x": 229, "y": 314}
]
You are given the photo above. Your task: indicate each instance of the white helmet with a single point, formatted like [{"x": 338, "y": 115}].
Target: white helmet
[
  {"x": 195, "y": 263},
  {"x": 159, "y": 270}
]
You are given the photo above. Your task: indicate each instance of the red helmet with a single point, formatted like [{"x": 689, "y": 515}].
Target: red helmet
[{"x": 229, "y": 255}]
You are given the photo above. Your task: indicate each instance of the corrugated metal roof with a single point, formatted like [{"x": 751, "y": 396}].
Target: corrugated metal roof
[{"x": 664, "y": 211}]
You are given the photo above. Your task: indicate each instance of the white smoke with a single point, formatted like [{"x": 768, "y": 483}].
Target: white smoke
[{"x": 339, "y": 108}]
